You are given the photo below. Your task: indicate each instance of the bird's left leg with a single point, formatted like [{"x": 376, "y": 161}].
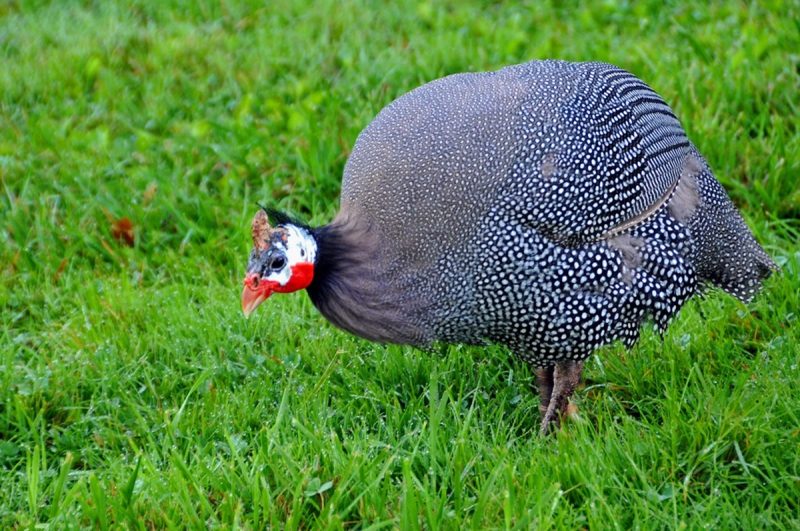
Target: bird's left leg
[
  {"x": 566, "y": 376},
  {"x": 544, "y": 382}
]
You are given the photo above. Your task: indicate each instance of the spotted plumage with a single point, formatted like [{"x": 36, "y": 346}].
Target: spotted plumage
[{"x": 551, "y": 207}]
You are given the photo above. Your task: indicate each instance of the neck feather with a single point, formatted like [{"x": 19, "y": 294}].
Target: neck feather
[{"x": 354, "y": 288}]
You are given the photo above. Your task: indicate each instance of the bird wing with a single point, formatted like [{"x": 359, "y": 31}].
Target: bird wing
[
  {"x": 572, "y": 150},
  {"x": 608, "y": 159}
]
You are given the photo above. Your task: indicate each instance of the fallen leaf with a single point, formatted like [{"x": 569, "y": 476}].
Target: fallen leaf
[
  {"x": 122, "y": 231},
  {"x": 60, "y": 270},
  {"x": 150, "y": 193}
]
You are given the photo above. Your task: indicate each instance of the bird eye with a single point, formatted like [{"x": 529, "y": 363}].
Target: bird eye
[{"x": 277, "y": 262}]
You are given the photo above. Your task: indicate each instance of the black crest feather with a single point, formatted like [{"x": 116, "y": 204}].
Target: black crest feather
[{"x": 278, "y": 217}]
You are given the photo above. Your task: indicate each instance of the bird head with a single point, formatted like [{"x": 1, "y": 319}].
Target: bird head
[{"x": 282, "y": 259}]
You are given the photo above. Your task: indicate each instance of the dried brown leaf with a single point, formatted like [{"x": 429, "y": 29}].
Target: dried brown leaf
[
  {"x": 122, "y": 231},
  {"x": 150, "y": 193}
]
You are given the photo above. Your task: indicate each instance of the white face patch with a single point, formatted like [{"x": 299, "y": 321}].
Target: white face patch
[{"x": 300, "y": 247}]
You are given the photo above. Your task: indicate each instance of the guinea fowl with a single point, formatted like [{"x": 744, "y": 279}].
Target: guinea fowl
[{"x": 551, "y": 207}]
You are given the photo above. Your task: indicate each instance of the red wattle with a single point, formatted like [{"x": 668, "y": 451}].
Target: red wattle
[{"x": 302, "y": 275}]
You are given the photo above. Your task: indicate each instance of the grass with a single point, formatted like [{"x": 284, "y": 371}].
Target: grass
[{"x": 134, "y": 394}]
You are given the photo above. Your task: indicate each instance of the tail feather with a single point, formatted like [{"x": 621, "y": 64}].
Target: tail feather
[{"x": 726, "y": 254}]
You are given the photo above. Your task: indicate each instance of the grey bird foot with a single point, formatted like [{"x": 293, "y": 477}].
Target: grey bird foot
[
  {"x": 564, "y": 378},
  {"x": 544, "y": 382}
]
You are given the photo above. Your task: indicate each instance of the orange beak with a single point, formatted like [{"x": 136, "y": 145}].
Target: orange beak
[{"x": 254, "y": 293}]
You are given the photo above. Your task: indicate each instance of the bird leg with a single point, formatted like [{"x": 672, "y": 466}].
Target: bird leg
[
  {"x": 544, "y": 382},
  {"x": 565, "y": 378}
]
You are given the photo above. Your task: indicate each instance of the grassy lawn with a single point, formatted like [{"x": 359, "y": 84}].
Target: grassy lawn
[{"x": 135, "y": 139}]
